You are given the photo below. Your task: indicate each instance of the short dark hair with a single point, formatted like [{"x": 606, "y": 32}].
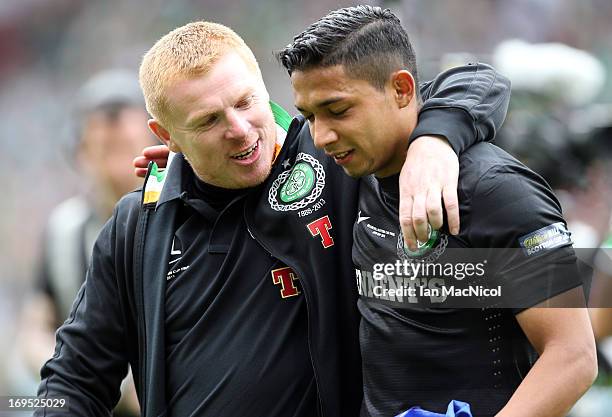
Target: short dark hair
[{"x": 369, "y": 41}]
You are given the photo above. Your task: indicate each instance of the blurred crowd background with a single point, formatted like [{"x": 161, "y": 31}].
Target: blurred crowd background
[{"x": 557, "y": 53}]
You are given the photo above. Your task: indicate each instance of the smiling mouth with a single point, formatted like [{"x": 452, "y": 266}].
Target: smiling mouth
[
  {"x": 247, "y": 153},
  {"x": 341, "y": 155}
]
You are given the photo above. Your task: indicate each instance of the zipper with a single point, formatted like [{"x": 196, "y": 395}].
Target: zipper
[
  {"x": 143, "y": 219},
  {"x": 306, "y": 298},
  {"x": 142, "y": 328}
]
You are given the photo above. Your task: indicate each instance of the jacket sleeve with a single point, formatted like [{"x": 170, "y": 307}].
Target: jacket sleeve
[
  {"x": 90, "y": 358},
  {"x": 466, "y": 104}
]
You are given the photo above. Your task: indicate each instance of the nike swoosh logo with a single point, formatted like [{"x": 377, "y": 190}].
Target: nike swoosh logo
[
  {"x": 360, "y": 219},
  {"x": 174, "y": 251}
]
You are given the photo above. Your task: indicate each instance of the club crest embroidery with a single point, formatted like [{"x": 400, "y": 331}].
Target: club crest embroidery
[{"x": 299, "y": 186}]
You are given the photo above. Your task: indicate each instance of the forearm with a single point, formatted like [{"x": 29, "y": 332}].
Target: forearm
[
  {"x": 602, "y": 322},
  {"x": 553, "y": 385}
]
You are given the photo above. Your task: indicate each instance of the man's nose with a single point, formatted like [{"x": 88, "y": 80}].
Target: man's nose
[
  {"x": 237, "y": 124},
  {"x": 322, "y": 134}
]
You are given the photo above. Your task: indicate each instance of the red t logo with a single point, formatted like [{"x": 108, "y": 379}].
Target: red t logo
[
  {"x": 285, "y": 277},
  {"x": 321, "y": 227}
]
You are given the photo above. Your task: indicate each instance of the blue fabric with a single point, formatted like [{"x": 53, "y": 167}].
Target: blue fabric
[{"x": 455, "y": 409}]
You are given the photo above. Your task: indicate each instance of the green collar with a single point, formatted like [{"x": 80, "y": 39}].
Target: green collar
[{"x": 281, "y": 117}]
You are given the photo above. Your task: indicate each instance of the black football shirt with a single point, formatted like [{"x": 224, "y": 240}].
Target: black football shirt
[{"x": 422, "y": 347}]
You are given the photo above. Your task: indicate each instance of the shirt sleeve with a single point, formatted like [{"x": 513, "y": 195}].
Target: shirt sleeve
[
  {"x": 516, "y": 221},
  {"x": 466, "y": 105},
  {"x": 90, "y": 358}
]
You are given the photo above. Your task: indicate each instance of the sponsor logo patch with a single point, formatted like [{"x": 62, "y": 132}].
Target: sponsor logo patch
[
  {"x": 549, "y": 237},
  {"x": 321, "y": 227},
  {"x": 286, "y": 278}
]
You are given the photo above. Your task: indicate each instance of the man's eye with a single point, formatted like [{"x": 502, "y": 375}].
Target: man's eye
[
  {"x": 208, "y": 123},
  {"x": 338, "y": 112},
  {"x": 310, "y": 118},
  {"x": 245, "y": 103}
]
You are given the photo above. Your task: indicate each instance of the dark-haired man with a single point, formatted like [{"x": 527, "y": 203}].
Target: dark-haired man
[{"x": 354, "y": 78}]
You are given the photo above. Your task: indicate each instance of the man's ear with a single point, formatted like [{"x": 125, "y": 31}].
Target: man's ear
[
  {"x": 163, "y": 135},
  {"x": 404, "y": 87}
]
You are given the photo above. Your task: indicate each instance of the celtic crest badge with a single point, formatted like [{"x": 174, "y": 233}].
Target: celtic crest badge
[{"x": 299, "y": 186}]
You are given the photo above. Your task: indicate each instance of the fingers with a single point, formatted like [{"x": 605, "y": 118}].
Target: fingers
[
  {"x": 434, "y": 208},
  {"x": 405, "y": 217},
  {"x": 417, "y": 214},
  {"x": 140, "y": 172},
  {"x": 140, "y": 162},
  {"x": 158, "y": 152},
  {"x": 428, "y": 186},
  {"x": 451, "y": 203},
  {"x": 419, "y": 217},
  {"x": 143, "y": 162},
  {"x": 140, "y": 166},
  {"x": 161, "y": 163}
]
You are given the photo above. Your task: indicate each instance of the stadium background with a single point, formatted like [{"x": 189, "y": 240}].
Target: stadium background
[{"x": 49, "y": 47}]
